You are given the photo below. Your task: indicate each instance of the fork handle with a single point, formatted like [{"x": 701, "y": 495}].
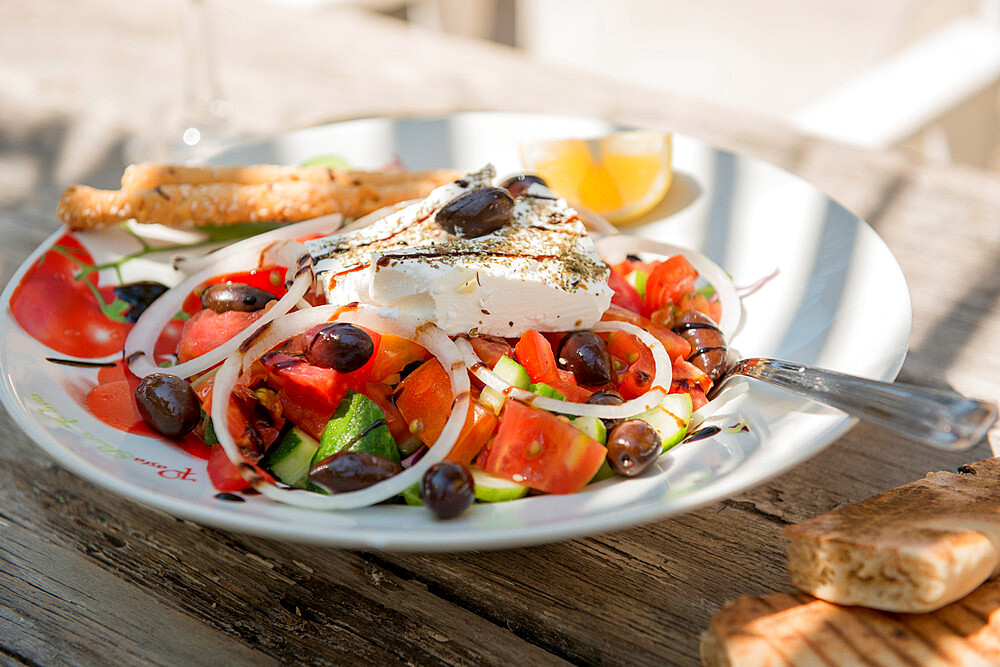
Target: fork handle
[{"x": 937, "y": 417}]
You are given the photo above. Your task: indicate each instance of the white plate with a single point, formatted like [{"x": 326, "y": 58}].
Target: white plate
[{"x": 838, "y": 300}]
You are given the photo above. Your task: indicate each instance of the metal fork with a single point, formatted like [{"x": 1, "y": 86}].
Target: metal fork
[{"x": 937, "y": 417}]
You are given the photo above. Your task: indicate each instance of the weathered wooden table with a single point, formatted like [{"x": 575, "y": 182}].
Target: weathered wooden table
[{"x": 88, "y": 578}]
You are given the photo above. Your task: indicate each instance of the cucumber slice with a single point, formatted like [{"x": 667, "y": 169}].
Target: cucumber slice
[
  {"x": 596, "y": 429},
  {"x": 604, "y": 472},
  {"x": 670, "y": 418},
  {"x": 290, "y": 460},
  {"x": 412, "y": 495},
  {"x": 637, "y": 279},
  {"x": 493, "y": 489},
  {"x": 358, "y": 425},
  {"x": 510, "y": 372},
  {"x": 546, "y": 390},
  {"x": 593, "y": 427},
  {"x": 210, "y": 438}
]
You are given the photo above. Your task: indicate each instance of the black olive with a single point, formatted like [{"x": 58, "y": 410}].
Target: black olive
[
  {"x": 235, "y": 296},
  {"x": 340, "y": 346},
  {"x": 633, "y": 445},
  {"x": 350, "y": 471},
  {"x": 518, "y": 185},
  {"x": 447, "y": 489},
  {"x": 139, "y": 295},
  {"x": 607, "y": 397},
  {"x": 587, "y": 356},
  {"x": 708, "y": 345},
  {"x": 168, "y": 404},
  {"x": 476, "y": 213}
]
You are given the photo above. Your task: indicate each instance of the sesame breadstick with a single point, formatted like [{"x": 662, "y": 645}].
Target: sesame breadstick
[
  {"x": 83, "y": 207},
  {"x": 149, "y": 175}
]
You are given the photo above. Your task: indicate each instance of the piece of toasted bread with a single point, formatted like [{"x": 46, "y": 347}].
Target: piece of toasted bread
[
  {"x": 785, "y": 629},
  {"x": 914, "y": 548},
  {"x": 221, "y": 202},
  {"x": 149, "y": 175}
]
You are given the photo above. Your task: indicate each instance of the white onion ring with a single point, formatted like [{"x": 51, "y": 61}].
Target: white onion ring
[
  {"x": 386, "y": 320},
  {"x": 325, "y": 224},
  {"x": 619, "y": 245},
  {"x": 729, "y": 392},
  {"x": 652, "y": 398},
  {"x": 141, "y": 341}
]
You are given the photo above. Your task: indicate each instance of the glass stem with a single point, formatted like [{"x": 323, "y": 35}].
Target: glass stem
[{"x": 204, "y": 107}]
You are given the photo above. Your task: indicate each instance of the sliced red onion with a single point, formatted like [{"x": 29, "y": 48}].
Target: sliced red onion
[
  {"x": 617, "y": 246},
  {"x": 385, "y": 320},
  {"x": 325, "y": 224},
  {"x": 141, "y": 341},
  {"x": 659, "y": 386},
  {"x": 414, "y": 457},
  {"x": 747, "y": 290}
]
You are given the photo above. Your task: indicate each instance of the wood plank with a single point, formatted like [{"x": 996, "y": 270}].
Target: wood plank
[
  {"x": 60, "y": 608},
  {"x": 291, "y": 603}
]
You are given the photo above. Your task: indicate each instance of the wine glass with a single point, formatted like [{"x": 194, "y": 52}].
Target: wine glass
[{"x": 203, "y": 125}]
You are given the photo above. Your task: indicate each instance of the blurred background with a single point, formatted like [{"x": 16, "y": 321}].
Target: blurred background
[
  {"x": 88, "y": 85},
  {"x": 922, "y": 74}
]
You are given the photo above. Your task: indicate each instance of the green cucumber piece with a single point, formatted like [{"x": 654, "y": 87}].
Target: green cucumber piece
[
  {"x": 358, "y": 425},
  {"x": 670, "y": 418},
  {"x": 637, "y": 279},
  {"x": 494, "y": 489},
  {"x": 593, "y": 427},
  {"x": 316, "y": 488},
  {"x": 412, "y": 495},
  {"x": 547, "y": 391},
  {"x": 210, "y": 438},
  {"x": 510, "y": 372},
  {"x": 290, "y": 460},
  {"x": 603, "y": 473}
]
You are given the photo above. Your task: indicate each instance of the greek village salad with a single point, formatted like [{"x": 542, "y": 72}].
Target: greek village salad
[{"x": 477, "y": 343}]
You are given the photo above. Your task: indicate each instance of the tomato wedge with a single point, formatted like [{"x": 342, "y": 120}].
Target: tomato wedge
[
  {"x": 669, "y": 281},
  {"x": 677, "y": 347},
  {"x": 624, "y": 295},
  {"x": 535, "y": 354},
  {"x": 479, "y": 427},
  {"x": 381, "y": 394},
  {"x": 489, "y": 349},
  {"x": 222, "y": 473},
  {"x": 541, "y": 450},
  {"x": 394, "y": 354},
  {"x": 641, "y": 367},
  {"x": 207, "y": 330},
  {"x": 424, "y": 400},
  {"x": 688, "y": 376},
  {"x": 309, "y": 394}
]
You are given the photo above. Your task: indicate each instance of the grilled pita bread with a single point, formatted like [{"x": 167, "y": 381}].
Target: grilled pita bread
[
  {"x": 786, "y": 629},
  {"x": 914, "y": 548},
  {"x": 159, "y": 194}
]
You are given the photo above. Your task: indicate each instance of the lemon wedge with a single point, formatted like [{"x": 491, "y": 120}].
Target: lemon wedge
[{"x": 620, "y": 175}]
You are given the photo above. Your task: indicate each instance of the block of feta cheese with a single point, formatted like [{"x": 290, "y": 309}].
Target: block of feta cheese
[{"x": 539, "y": 271}]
